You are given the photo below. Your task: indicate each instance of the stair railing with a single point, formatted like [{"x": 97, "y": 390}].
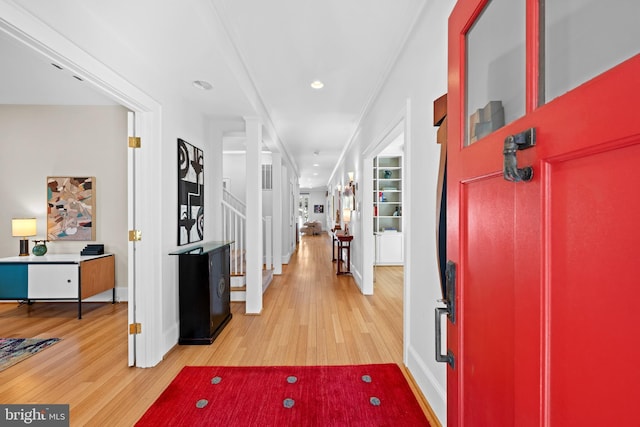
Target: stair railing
[{"x": 234, "y": 224}]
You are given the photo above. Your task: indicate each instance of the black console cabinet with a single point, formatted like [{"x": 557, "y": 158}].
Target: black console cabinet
[{"x": 205, "y": 299}]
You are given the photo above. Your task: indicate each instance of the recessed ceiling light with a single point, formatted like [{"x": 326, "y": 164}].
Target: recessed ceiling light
[
  {"x": 317, "y": 84},
  {"x": 201, "y": 84},
  {"x": 316, "y": 164},
  {"x": 315, "y": 174}
]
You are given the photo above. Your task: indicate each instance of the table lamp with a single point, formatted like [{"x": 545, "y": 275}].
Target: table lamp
[
  {"x": 346, "y": 218},
  {"x": 23, "y": 227}
]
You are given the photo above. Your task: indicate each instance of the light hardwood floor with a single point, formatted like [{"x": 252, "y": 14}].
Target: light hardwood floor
[{"x": 310, "y": 317}]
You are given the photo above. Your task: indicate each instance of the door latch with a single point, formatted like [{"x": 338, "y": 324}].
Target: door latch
[
  {"x": 450, "y": 310},
  {"x": 512, "y": 144}
]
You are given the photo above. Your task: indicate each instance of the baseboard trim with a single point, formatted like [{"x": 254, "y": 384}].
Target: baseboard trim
[
  {"x": 434, "y": 392},
  {"x": 424, "y": 403}
]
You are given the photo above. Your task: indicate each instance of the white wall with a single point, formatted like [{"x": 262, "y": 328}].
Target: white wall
[
  {"x": 233, "y": 169},
  {"x": 420, "y": 76},
  {"x": 496, "y": 59},
  {"x": 575, "y": 52},
  {"x": 41, "y": 141}
]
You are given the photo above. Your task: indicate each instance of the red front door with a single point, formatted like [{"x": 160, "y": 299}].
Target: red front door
[{"x": 548, "y": 324}]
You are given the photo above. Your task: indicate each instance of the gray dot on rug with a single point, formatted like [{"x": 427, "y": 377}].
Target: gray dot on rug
[
  {"x": 374, "y": 401},
  {"x": 288, "y": 403},
  {"x": 202, "y": 403},
  {"x": 216, "y": 380},
  {"x": 292, "y": 379},
  {"x": 366, "y": 378}
]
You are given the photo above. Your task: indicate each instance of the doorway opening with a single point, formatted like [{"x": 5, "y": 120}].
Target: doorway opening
[
  {"x": 35, "y": 36},
  {"x": 303, "y": 210}
]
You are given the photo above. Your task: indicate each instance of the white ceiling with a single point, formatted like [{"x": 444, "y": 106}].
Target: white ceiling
[{"x": 260, "y": 56}]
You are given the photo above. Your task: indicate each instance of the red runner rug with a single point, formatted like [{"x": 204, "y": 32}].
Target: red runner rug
[{"x": 360, "y": 395}]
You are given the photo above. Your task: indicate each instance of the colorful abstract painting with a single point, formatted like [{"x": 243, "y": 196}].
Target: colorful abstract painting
[
  {"x": 190, "y": 193},
  {"x": 71, "y": 208}
]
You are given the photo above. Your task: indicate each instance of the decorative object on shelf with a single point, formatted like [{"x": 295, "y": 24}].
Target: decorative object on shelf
[
  {"x": 190, "y": 193},
  {"x": 23, "y": 227},
  {"x": 40, "y": 247},
  {"x": 388, "y": 174},
  {"x": 70, "y": 208},
  {"x": 97, "y": 249},
  {"x": 346, "y": 219},
  {"x": 486, "y": 120}
]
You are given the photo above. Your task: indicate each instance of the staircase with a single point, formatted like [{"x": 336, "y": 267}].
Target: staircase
[{"x": 234, "y": 228}]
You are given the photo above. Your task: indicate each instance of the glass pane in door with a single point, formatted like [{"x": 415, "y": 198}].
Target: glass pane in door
[
  {"x": 495, "y": 80},
  {"x": 584, "y": 38}
]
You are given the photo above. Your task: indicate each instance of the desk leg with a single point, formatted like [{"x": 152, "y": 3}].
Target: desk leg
[
  {"x": 348, "y": 258},
  {"x": 79, "y": 293},
  {"x": 342, "y": 246},
  {"x": 333, "y": 249}
]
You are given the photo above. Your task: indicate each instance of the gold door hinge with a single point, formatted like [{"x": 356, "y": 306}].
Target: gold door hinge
[
  {"x": 135, "y": 328},
  {"x": 135, "y": 235},
  {"x": 134, "y": 142}
]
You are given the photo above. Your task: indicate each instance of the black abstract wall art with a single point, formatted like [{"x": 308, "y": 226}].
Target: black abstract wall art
[{"x": 190, "y": 193}]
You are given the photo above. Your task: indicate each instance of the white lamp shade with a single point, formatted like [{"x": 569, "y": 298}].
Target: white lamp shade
[
  {"x": 23, "y": 227},
  {"x": 346, "y": 215}
]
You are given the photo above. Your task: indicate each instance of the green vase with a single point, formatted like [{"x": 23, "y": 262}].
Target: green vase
[{"x": 39, "y": 249}]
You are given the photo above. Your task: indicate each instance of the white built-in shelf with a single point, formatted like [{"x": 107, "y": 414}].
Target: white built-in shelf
[{"x": 387, "y": 209}]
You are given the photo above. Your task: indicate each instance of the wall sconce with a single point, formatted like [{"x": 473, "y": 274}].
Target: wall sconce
[
  {"x": 23, "y": 227},
  {"x": 352, "y": 185}
]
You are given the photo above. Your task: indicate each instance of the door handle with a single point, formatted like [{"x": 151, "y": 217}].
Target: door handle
[
  {"x": 512, "y": 144},
  {"x": 448, "y": 358}
]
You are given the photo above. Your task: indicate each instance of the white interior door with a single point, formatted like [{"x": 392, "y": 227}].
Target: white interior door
[{"x": 131, "y": 223}]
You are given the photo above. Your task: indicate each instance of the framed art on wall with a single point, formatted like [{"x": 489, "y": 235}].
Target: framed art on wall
[
  {"x": 190, "y": 193},
  {"x": 71, "y": 208}
]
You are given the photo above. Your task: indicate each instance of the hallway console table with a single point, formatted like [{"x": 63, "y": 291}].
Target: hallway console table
[
  {"x": 204, "y": 292},
  {"x": 57, "y": 277},
  {"x": 342, "y": 243}
]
